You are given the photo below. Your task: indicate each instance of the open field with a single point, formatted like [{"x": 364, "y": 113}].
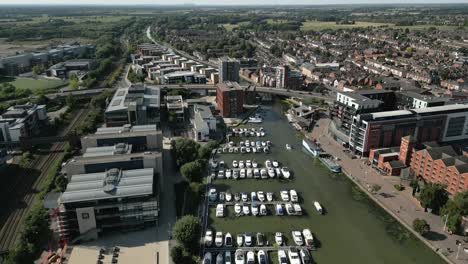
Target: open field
[
  {"x": 352, "y": 222},
  {"x": 29, "y": 83},
  {"x": 75, "y": 19},
  {"x": 320, "y": 25},
  {"x": 230, "y": 27},
  {"x": 9, "y": 48}
]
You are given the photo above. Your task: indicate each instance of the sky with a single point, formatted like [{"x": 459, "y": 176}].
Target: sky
[{"x": 221, "y": 2}]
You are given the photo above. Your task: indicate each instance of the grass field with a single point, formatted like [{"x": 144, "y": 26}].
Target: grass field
[
  {"x": 230, "y": 27},
  {"x": 320, "y": 25},
  {"x": 78, "y": 19},
  {"x": 23, "y": 83}
]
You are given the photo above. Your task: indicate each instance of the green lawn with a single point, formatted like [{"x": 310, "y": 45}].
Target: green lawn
[
  {"x": 230, "y": 27},
  {"x": 320, "y": 25},
  {"x": 23, "y": 83}
]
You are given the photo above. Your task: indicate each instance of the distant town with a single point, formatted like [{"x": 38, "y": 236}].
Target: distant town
[{"x": 248, "y": 134}]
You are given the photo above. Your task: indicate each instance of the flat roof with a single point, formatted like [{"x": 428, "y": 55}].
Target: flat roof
[
  {"x": 114, "y": 158},
  {"x": 442, "y": 108},
  {"x": 108, "y": 185},
  {"x": 126, "y": 129},
  {"x": 391, "y": 114}
]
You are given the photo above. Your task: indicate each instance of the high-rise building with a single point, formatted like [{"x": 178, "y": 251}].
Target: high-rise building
[
  {"x": 229, "y": 70},
  {"x": 287, "y": 79},
  {"x": 230, "y": 98}
]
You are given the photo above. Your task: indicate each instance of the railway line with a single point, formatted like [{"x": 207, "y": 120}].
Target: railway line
[{"x": 25, "y": 192}]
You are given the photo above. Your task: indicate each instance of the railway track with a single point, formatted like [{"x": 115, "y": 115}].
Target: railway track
[{"x": 9, "y": 232}]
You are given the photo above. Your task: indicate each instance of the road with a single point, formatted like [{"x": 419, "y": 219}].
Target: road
[{"x": 401, "y": 205}]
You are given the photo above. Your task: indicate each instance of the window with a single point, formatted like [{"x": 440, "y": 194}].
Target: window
[{"x": 84, "y": 215}]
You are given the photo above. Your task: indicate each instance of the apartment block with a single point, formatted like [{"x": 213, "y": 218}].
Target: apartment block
[
  {"x": 22, "y": 121},
  {"x": 229, "y": 70},
  {"x": 230, "y": 99}
]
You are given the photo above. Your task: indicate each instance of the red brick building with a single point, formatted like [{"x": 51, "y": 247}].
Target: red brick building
[
  {"x": 230, "y": 97},
  {"x": 441, "y": 164}
]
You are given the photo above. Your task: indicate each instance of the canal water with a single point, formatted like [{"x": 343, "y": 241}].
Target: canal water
[{"x": 353, "y": 230}]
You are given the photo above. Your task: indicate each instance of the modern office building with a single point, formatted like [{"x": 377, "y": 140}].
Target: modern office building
[
  {"x": 203, "y": 122},
  {"x": 21, "y": 63},
  {"x": 175, "y": 108},
  {"x": 113, "y": 200},
  {"x": 142, "y": 138},
  {"x": 385, "y": 129},
  {"x": 62, "y": 70},
  {"x": 22, "y": 121},
  {"x": 121, "y": 155},
  {"x": 229, "y": 70},
  {"x": 135, "y": 105},
  {"x": 187, "y": 77},
  {"x": 230, "y": 98}
]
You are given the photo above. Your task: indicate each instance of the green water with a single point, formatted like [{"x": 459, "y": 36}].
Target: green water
[{"x": 354, "y": 229}]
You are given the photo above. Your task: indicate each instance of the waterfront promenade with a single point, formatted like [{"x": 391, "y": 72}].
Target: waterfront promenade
[{"x": 400, "y": 204}]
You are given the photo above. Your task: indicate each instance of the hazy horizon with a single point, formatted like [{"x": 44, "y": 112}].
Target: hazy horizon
[{"x": 225, "y": 2}]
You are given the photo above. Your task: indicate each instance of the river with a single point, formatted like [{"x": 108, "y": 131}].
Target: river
[{"x": 354, "y": 229}]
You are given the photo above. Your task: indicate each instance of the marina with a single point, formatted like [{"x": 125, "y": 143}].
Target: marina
[{"x": 345, "y": 217}]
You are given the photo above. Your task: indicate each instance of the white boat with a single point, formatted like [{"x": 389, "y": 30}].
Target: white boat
[
  {"x": 264, "y": 144},
  {"x": 285, "y": 172},
  {"x": 240, "y": 240},
  {"x": 311, "y": 147},
  {"x": 297, "y": 237},
  {"x": 279, "y": 209},
  {"x": 278, "y": 171},
  {"x": 228, "y": 174},
  {"x": 228, "y": 196},
  {"x": 261, "y": 196},
  {"x": 297, "y": 209},
  {"x": 288, "y": 147},
  {"x": 318, "y": 207},
  {"x": 271, "y": 173},
  {"x": 290, "y": 209},
  {"x": 263, "y": 174},
  {"x": 275, "y": 164},
  {"x": 254, "y": 164},
  {"x": 255, "y": 120},
  {"x": 263, "y": 210},
  {"x": 208, "y": 238},
  {"x": 235, "y": 164},
  {"x": 250, "y": 257},
  {"x": 238, "y": 209},
  {"x": 219, "y": 258},
  {"x": 239, "y": 256},
  {"x": 248, "y": 163},
  {"x": 262, "y": 257},
  {"x": 248, "y": 150},
  {"x": 219, "y": 239},
  {"x": 242, "y": 173},
  {"x": 254, "y": 209},
  {"x": 245, "y": 209},
  {"x": 220, "y": 210},
  {"x": 262, "y": 134},
  {"x": 207, "y": 258},
  {"x": 268, "y": 163},
  {"x": 269, "y": 196},
  {"x": 279, "y": 238},
  {"x": 241, "y": 164},
  {"x": 293, "y": 195},
  {"x": 308, "y": 237},
  {"x": 228, "y": 240},
  {"x": 284, "y": 196}
]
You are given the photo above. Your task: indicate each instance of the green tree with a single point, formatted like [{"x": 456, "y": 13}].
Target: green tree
[
  {"x": 37, "y": 69},
  {"x": 74, "y": 84},
  {"x": 205, "y": 151},
  {"x": 454, "y": 210},
  {"x": 61, "y": 183},
  {"x": 184, "y": 150},
  {"x": 187, "y": 232},
  {"x": 421, "y": 226},
  {"x": 193, "y": 171},
  {"x": 433, "y": 196},
  {"x": 70, "y": 101},
  {"x": 177, "y": 254}
]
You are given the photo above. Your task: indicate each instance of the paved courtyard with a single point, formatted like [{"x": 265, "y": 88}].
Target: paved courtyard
[{"x": 401, "y": 204}]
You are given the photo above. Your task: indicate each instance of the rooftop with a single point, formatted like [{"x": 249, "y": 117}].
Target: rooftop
[
  {"x": 120, "y": 148},
  {"x": 141, "y": 95},
  {"x": 229, "y": 86},
  {"x": 112, "y": 184},
  {"x": 126, "y": 129}
]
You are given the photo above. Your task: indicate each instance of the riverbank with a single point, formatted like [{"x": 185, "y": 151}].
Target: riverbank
[{"x": 400, "y": 204}]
